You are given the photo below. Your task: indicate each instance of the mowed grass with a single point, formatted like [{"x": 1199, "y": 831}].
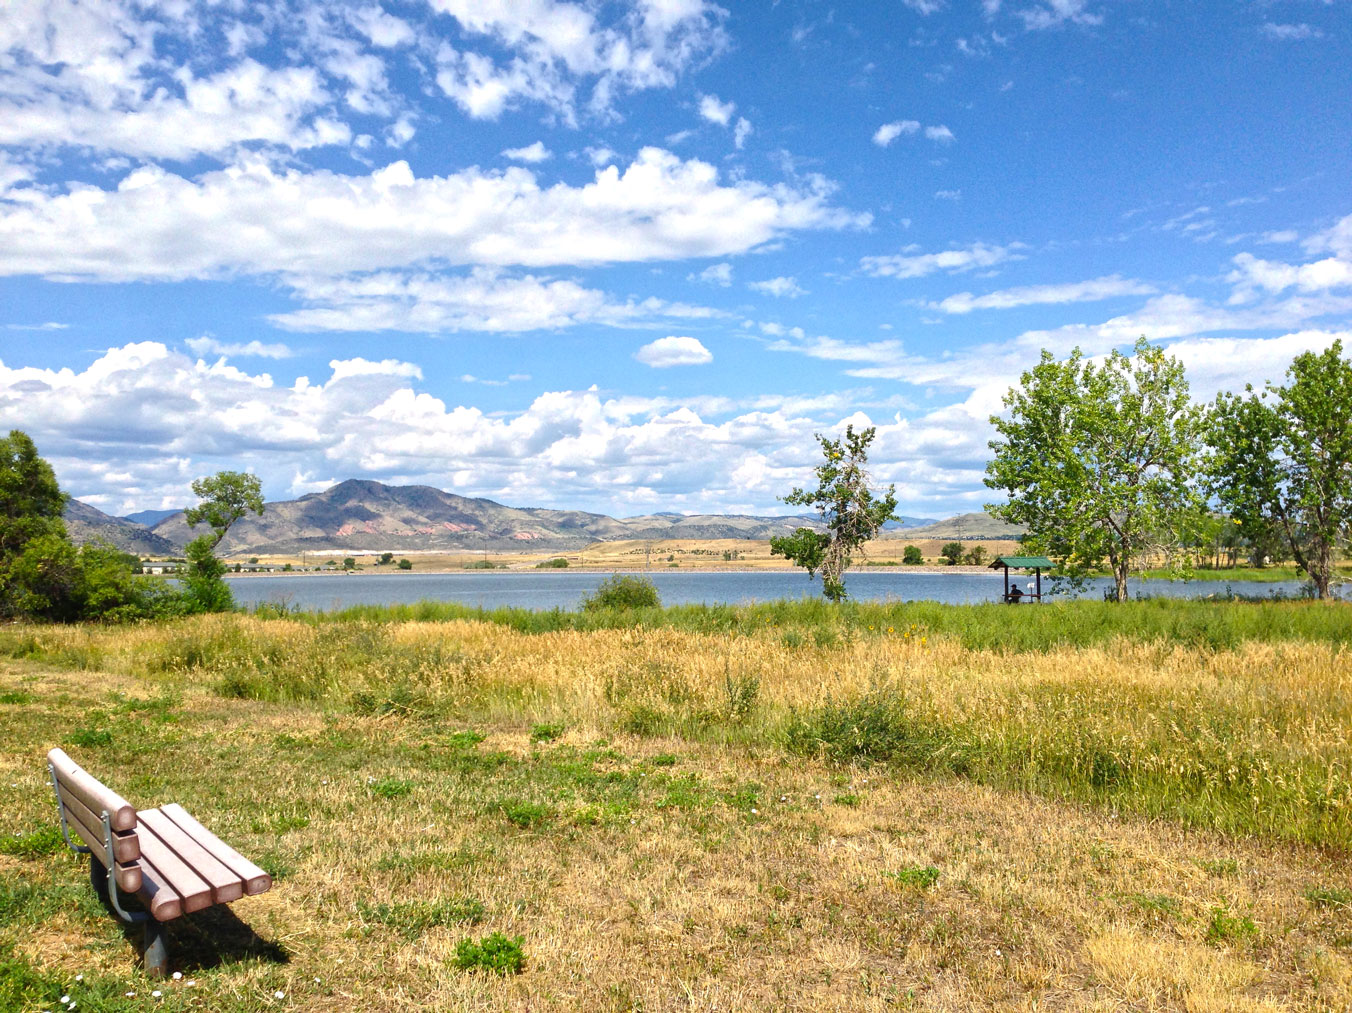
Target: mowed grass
[{"x": 770, "y": 818}]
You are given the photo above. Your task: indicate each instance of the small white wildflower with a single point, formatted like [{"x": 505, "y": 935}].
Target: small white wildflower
[
  {"x": 279, "y": 995},
  {"x": 156, "y": 994},
  {"x": 783, "y": 798},
  {"x": 79, "y": 977},
  {"x": 998, "y": 953},
  {"x": 130, "y": 995},
  {"x": 755, "y": 812},
  {"x": 817, "y": 797},
  {"x": 177, "y": 975},
  {"x": 190, "y": 981},
  {"x": 65, "y": 999},
  {"x": 316, "y": 981}
]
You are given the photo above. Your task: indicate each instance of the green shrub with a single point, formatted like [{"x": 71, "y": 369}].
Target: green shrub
[
  {"x": 871, "y": 727},
  {"x": 496, "y": 953},
  {"x": 623, "y": 592},
  {"x": 559, "y": 563},
  {"x": 405, "y": 564},
  {"x": 911, "y": 556}
]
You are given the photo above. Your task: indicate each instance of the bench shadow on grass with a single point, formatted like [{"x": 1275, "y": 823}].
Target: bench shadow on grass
[{"x": 214, "y": 937}]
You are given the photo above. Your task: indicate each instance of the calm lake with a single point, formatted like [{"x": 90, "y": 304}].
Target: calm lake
[{"x": 544, "y": 590}]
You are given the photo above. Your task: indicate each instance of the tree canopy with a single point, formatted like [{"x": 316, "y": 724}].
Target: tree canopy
[
  {"x": 226, "y": 497},
  {"x": 1281, "y": 461},
  {"x": 847, "y": 506},
  {"x": 1098, "y": 460}
]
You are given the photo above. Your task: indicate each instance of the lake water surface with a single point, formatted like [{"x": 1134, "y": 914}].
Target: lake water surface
[{"x": 546, "y": 590}]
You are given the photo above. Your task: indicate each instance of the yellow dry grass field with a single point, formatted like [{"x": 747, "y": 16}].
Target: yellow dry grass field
[{"x": 649, "y": 812}]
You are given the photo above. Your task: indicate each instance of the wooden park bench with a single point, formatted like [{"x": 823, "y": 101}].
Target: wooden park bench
[{"x": 163, "y": 857}]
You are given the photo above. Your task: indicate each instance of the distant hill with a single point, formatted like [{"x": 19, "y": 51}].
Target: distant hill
[
  {"x": 88, "y": 524},
  {"x": 360, "y": 514},
  {"x": 149, "y": 517},
  {"x": 965, "y": 527}
]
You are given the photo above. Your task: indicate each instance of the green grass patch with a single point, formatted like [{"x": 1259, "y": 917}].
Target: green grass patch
[
  {"x": 920, "y": 877},
  {"x": 1329, "y": 896},
  {"x": 496, "y": 954},
  {"x": 546, "y": 732},
  {"x": 390, "y": 787},
  {"x": 45, "y": 841},
  {"x": 412, "y": 918},
  {"x": 1224, "y": 927}
]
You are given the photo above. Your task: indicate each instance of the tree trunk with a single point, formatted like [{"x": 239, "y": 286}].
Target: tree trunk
[
  {"x": 1320, "y": 569},
  {"x": 1121, "y": 565}
]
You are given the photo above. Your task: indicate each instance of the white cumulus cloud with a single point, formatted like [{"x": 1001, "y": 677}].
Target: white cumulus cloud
[
  {"x": 715, "y": 111},
  {"x": 674, "y": 351},
  {"x": 533, "y": 153},
  {"x": 779, "y": 287},
  {"x": 257, "y": 219},
  {"x": 889, "y": 132}
]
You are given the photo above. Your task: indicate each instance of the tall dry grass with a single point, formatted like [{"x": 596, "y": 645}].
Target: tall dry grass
[{"x": 1250, "y": 740}]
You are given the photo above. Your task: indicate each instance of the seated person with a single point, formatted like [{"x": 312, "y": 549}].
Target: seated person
[{"x": 1015, "y": 595}]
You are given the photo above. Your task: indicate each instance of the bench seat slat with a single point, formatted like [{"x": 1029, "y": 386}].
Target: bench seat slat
[
  {"x": 126, "y": 848},
  {"x": 173, "y": 872},
  {"x": 225, "y": 884},
  {"x": 94, "y": 794},
  {"x": 256, "y": 881},
  {"x": 159, "y": 898}
]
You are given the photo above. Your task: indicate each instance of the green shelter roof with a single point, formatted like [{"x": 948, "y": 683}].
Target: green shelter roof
[{"x": 1022, "y": 562}]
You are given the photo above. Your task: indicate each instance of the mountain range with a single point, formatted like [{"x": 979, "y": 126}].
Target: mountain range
[{"x": 366, "y": 515}]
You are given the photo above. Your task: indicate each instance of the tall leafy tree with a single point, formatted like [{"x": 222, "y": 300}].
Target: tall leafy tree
[
  {"x": 38, "y": 563},
  {"x": 1281, "y": 461},
  {"x": 42, "y": 573},
  {"x": 225, "y": 497},
  {"x": 850, "y": 512},
  {"x": 1098, "y": 460}
]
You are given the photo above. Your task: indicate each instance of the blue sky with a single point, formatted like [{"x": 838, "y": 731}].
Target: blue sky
[{"x": 630, "y": 257}]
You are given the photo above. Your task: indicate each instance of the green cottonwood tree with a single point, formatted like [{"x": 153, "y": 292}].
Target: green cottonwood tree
[
  {"x": 226, "y": 497},
  {"x": 848, "y": 509},
  {"x": 1281, "y": 461},
  {"x": 1098, "y": 460}
]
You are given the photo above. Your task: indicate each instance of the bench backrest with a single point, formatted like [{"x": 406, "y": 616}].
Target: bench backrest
[{"x": 83, "y": 801}]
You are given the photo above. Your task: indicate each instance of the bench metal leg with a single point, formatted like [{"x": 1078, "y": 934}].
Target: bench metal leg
[{"x": 156, "y": 950}]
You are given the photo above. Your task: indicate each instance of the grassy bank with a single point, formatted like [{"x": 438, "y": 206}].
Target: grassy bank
[
  {"x": 1056, "y": 624},
  {"x": 1229, "y": 717},
  {"x": 784, "y": 812}
]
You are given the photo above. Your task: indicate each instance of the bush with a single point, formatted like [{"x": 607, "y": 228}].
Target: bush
[
  {"x": 405, "y": 564},
  {"x": 623, "y": 592},
  {"x": 911, "y": 556},
  {"x": 559, "y": 563},
  {"x": 496, "y": 953},
  {"x": 951, "y": 553}
]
